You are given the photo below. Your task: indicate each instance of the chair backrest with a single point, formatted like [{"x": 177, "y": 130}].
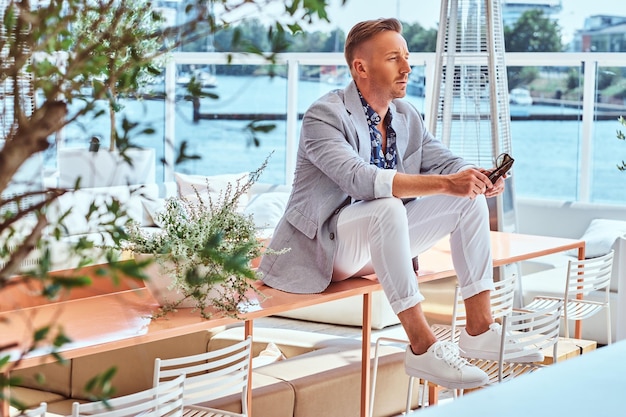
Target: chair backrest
[
  {"x": 210, "y": 375},
  {"x": 584, "y": 276},
  {"x": 528, "y": 331},
  {"x": 40, "y": 411},
  {"x": 501, "y": 298},
  {"x": 164, "y": 400}
]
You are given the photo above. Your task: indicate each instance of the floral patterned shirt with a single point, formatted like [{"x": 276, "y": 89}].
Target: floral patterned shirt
[{"x": 382, "y": 158}]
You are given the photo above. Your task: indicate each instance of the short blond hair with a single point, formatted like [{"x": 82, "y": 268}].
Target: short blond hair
[{"x": 364, "y": 31}]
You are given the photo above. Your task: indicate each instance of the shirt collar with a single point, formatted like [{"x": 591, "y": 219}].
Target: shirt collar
[{"x": 373, "y": 118}]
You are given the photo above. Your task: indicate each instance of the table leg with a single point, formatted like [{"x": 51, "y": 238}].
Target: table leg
[
  {"x": 578, "y": 329},
  {"x": 433, "y": 394},
  {"x": 248, "y": 330},
  {"x": 365, "y": 354}
]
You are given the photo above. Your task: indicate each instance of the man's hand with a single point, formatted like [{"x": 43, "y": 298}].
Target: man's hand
[
  {"x": 468, "y": 183},
  {"x": 496, "y": 188},
  {"x": 473, "y": 182}
]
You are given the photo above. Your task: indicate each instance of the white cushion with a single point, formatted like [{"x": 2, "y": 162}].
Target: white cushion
[
  {"x": 80, "y": 201},
  {"x": 348, "y": 312},
  {"x": 266, "y": 209},
  {"x": 153, "y": 207},
  {"x": 210, "y": 187},
  {"x": 600, "y": 236},
  {"x": 105, "y": 168},
  {"x": 268, "y": 355}
]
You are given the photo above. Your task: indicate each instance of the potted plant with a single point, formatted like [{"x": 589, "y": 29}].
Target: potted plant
[{"x": 201, "y": 256}]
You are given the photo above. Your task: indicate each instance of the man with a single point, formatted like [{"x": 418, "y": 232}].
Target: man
[{"x": 373, "y": 189}]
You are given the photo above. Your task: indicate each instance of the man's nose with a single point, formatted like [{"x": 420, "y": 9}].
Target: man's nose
[{"x": 406, "y": 69}]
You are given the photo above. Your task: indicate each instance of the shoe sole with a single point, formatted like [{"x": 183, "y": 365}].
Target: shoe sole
[
  {"x": 444, "y": 382},
  {"x": 481, "y": 354}
]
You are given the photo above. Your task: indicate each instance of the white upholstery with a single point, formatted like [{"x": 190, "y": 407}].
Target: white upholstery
[
  {"x": 79, "y": 223},
  {"x": 544, "y": 276},
  {"x": 348, "y": 312},
  {"x": 95, "y": 168},
  {"x": 212, "y": 188}
]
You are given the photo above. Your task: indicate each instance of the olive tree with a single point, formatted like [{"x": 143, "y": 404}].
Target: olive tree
[{"x": 50, "y": 50}]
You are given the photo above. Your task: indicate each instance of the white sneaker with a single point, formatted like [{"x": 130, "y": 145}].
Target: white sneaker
[
  {"x": 487, "y": 346},
  {"x": 442, "y": 365}
]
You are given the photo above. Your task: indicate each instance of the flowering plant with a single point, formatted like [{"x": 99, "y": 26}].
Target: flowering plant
[{"x": 205, "y": 247}]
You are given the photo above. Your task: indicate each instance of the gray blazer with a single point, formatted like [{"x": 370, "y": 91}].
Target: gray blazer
[{"x": 332, "y": 170}]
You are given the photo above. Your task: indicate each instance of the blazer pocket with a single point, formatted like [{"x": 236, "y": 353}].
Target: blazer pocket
[{"x": 301, "y": 222}]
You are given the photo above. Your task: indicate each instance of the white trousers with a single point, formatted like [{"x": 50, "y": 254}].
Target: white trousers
[{"x": 382, "y": 236}]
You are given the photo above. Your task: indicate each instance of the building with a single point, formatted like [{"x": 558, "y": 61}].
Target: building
[
  {"x": 601, "y": 33},
  {"x": 513, "y": 9}
]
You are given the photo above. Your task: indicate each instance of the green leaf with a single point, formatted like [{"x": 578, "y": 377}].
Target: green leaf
[
  {"x": 264, "y": 128},
  {"x": 10, "y": 18},
  {"x": 4, "y": 360},
  {"x": 73, "y": 282},
  {"x": 295, "y": 28},
  {"x": 61, "y": 339},
  {"x": 207, "y": 94},
  {"x": 41, "y": 333}
]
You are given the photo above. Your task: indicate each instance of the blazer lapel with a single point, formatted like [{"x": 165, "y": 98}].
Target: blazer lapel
[
  {"x": 359, "y": 121},
  {"x": 401, "y": 127}
]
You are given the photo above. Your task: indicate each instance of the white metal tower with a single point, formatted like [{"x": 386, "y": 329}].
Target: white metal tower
[{"x": 470, "y": 112}]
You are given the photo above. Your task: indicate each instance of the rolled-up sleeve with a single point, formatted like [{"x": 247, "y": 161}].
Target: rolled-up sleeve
[{"x": 383, "y": 184}]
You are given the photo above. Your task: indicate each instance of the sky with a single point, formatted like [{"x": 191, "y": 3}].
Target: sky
[{"x": 426, "y": 12}]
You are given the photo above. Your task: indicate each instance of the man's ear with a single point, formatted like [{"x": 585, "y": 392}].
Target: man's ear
[{"x": 360, "y": 68}]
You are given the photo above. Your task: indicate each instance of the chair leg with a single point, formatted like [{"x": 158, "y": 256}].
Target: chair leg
[
  {"x": 373, "y": 380},
  {"x": 423, "y": 402},
  {"x": 608, "y": 324},
  {"x": 409, "y": 395}
]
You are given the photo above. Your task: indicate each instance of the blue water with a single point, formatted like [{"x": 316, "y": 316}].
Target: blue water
[{"x": 546, "y": 152}]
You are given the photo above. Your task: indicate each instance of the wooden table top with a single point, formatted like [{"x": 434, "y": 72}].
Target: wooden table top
[{"x": 121, "y": 319}]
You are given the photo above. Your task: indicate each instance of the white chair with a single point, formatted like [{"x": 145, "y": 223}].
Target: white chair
[
  {"x": 164, "y": 400},
  {"x": 40, "y": 411},
  {"x": 501, "y": 297},
  {"x": 524, "y": 332},
  {"x": 211, "y": 375},
  {"x": 583, "y": 277}
]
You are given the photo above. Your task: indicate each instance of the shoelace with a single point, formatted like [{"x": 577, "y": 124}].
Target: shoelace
[{"x": 449, "y": 353}]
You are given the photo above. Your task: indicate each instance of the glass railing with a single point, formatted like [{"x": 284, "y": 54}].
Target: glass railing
[{"x": 564, "y": 142}]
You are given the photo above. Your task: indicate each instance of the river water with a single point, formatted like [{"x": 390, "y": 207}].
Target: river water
[{"x": 547, "y": 152}]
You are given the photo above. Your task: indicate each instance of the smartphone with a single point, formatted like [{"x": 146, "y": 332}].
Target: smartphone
[{"x": 505, "y": 162}]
